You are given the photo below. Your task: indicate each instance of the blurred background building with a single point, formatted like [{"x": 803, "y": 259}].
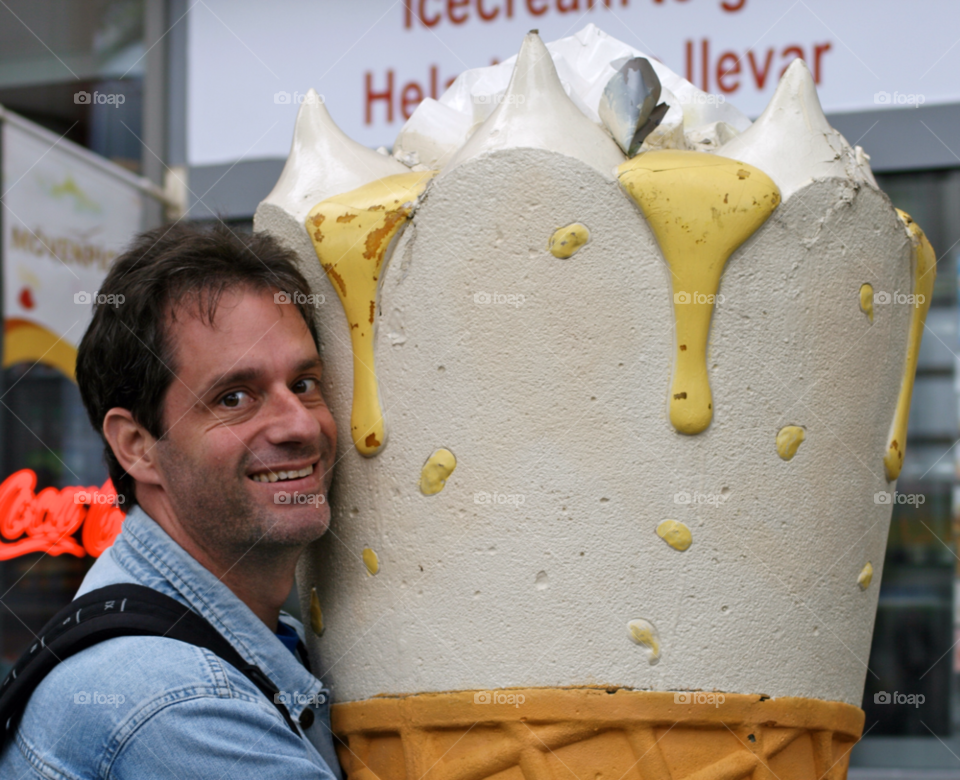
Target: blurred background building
[{"x": 193, "y": 104}]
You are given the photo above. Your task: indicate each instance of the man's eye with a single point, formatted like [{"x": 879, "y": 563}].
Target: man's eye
[
  {"x": 233, "y": 400},
  {"x": 306, "y": 385}
]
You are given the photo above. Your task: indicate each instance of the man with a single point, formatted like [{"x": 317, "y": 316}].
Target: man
[{"x": 205, "y": 385}]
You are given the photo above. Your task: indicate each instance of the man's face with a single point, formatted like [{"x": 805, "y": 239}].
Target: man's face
[{"x": 246, "y": 401}]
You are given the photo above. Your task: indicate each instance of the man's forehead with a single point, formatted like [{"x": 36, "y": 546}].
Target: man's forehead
[
  {"x": 244, "y": 331},
  {"x": 223, "y": 308}
]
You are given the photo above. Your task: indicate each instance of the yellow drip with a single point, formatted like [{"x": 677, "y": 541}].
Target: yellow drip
[
  {"x": 676, "y": 534},
  {"x": 433, "y": 476},
  {"x": 316, "y": 615},
  {"x": 924, "y": 272},
  {"x": 351, "y": 233},
  {"x": 701, "y": 208},
  {"x": 370, "y": 560},
  {"x": 567, "y": 240},
  {"x": 789, "y": 440},
  {"x": 645, "y": 634},
  {"x": 866, "y": 300}
]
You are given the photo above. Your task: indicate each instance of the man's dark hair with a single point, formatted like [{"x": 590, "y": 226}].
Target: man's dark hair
[{"x": 126, "y": 356}]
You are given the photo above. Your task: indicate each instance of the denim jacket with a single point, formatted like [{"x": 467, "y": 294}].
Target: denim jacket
[{"x": 152, "y": 707}]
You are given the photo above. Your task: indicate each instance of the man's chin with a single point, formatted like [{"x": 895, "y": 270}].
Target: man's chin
[{"x": 297, "y": 525}]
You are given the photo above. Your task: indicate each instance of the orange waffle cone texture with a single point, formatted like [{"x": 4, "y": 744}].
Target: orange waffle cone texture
[{"x": 592, "y": 734}]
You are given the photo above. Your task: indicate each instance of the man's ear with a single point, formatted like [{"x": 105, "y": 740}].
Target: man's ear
[{"x": 133, "y": 445}]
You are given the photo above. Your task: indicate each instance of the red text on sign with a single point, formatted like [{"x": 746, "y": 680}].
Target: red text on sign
[
  {"x": 47, "y": 521},
  {"x": 386, "y": 93},
  {"x": 732, "y": 70}
]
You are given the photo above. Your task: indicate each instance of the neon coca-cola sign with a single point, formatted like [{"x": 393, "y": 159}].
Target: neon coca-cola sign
[{"x": 49, "y": 520}]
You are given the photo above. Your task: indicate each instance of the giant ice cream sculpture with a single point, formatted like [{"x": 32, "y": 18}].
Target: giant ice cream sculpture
[{"x": 612, "y": 427}]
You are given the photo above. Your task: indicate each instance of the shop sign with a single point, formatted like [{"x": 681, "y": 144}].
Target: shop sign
[
  {"x": 48, "y": 521},
  {"x": 66, "y": 217}
]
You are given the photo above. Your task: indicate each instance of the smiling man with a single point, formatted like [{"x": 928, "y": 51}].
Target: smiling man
[{"x": 205, "y": 385}]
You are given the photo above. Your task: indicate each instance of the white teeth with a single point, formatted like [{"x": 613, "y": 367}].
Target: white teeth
[
  {"x": 793, "y": 143},
  {"x": 271, "y": 476}
]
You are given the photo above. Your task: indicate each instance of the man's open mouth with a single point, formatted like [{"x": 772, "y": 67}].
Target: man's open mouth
[{"x": 282, "y": 475}]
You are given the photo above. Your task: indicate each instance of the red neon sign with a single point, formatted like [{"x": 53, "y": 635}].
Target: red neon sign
[{"x": 47, "y": 521}]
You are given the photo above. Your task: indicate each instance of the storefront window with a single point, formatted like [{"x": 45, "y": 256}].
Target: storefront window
[
  {"x": 43, "y": 427},
  {"x": 51, "y": 52},
  {"x": 914, "y": 628}
]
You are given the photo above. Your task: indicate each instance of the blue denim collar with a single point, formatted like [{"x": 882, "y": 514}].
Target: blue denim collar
[{"x": 144, "y": 553}]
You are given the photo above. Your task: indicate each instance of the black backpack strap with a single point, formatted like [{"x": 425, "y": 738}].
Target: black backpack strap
[
  {"x": 303, "y": 655},
  {"x": 107, "y": 613}
]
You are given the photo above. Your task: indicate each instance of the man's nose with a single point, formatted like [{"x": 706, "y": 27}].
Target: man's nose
[{"x": 289, "y": 419}]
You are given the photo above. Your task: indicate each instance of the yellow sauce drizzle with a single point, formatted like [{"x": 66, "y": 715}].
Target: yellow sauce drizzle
[
  {"x": 701, "y": 208},
  {"x": 924, "y": 272},
  {"x": 866, "y": 576},
  {"x": 371, "y": 561},
  {"x": 433, "y": 476},
  {"x": 644, "y": 634},
  {"x": 351, "y": 233},
  {"x": 788, "y": 441},
  {"x": 676, "y": 534},
  {"x": 567, "y": 240},
  {"x": 316, "y": 616},
  {"x": 866, "y": 300}
]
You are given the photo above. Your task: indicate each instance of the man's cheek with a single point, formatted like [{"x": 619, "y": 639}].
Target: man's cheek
[{"x": 224, "y": 456}]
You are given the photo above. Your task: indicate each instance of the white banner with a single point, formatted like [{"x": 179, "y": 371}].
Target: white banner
[
  {"x": 250, "y": 63},
  {"x": 64, "y": 222}
]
